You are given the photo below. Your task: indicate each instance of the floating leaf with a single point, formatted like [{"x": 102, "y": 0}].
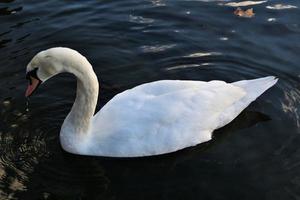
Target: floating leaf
[{"x": 247, "y": 13}]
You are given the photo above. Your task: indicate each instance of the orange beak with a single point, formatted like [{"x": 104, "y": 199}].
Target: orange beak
[{"x": 32, "y": 86}]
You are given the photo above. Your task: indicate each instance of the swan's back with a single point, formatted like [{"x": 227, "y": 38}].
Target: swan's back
[{"x": 165, "y": 116}]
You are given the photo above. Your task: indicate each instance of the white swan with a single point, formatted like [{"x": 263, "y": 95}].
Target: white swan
[{"x": 150, "y": 119}]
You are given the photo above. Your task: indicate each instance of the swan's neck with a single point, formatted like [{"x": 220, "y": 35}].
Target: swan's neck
[{"x": 79, "y": 119}]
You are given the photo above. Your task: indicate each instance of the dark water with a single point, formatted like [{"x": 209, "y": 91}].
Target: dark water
[{"x": 132, "y": 42}]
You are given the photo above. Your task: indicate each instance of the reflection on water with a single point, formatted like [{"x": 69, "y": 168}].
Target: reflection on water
[
  {"x": 290, "y": 104},
  {"x": 280, "y": 6},
  {"x": 20, "y": 24},
  {"x": 243, "y": 3},
  {"x": 158, "y": 2},
  {"x": 271, "y": 19},
  {"x": 18, "y": 161},
  {"x": 140, "y": 19},
  {"x": 4, "y": 42},
  {"x": 187, "y": 66},
  {"x": 8, "y": 11},
  {"x": 201, "y": 54},
  {"x": 129, "y": 43},
  {"x": 157, "y": 48}
]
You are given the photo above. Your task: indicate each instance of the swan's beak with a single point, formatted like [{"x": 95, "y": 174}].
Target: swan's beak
[{"x": 32, "y": 86}]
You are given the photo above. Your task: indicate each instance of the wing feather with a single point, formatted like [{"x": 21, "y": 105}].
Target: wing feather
[{"x": 164, "y": 116}]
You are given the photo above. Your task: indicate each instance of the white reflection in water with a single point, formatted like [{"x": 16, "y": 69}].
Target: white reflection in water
[
  {"x": 291, "y": 104},
  {"x": 140, "y": 19},
  {"x": 203, "y": 54},
  {"x": 187, "y": 66},
  {"x": 158, "y": 2},
  {"x": 6, "y": 102},
  {"x": 242, "y": 3},
  {"x": 157, "y": 48},
  {"x": 223, "y": 38},
  {"x": 281, "y": 7},
  {"x": 14, "y": 125},
  {"x": 271, "y": 19},
  {"x": 209, "y": 0}
]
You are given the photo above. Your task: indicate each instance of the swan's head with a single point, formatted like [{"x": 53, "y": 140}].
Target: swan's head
[{"x": 50, "y": 62}]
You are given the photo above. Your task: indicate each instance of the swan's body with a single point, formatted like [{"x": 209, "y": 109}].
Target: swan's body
[{"x": 150, "y": 119}]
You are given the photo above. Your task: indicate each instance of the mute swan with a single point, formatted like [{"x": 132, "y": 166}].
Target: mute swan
[{"x": 149, "y": 119}]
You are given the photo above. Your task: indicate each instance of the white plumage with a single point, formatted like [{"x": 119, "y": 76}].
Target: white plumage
[{"x": 150, "y": 119}]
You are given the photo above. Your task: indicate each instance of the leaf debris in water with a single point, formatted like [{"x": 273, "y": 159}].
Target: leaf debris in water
[{"x": 247, "y": 13}]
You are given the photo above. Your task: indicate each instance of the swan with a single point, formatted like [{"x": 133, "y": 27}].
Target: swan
[{"x": 150, "y": 119}]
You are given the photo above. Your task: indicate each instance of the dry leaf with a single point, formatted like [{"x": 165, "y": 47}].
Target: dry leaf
[{"x": 247, "y": 13}]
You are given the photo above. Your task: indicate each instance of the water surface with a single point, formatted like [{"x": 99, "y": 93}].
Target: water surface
[{"x": 132, "y": 42}]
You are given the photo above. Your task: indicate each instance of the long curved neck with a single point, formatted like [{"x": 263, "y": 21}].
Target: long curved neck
[{"x": 83, "y": 109}]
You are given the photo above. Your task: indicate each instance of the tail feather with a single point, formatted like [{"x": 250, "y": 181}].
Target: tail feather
[{"x": 254, "y": 88}]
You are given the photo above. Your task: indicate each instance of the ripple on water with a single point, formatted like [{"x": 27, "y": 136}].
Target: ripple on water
[
  {"x": 281, "y": 7},
  {"x": 202, "y": 54},
  {"x": 271, "y": 19},
  {"x": 7, "y": 101},
  {"x": 179, "y": 40},
  {"x": 8, "y": 11},
  {"x": 187, "y": 66},
  {"x": 157, "y": 48},
  {"x": 140, "y": 19},
  {"x": 290, "y": 103},
  {"x": 243, "y": 3},
  {"x": 17, "y": 160},
  {"x": 158, "y": 2}
]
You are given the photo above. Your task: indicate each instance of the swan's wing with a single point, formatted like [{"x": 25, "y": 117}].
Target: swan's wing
[
  {"x": 160, "y": 117},
  {"x": 163, "y": 87}
]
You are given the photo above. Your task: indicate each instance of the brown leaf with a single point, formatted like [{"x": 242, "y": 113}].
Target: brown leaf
[{"x": 247, "y": 13}]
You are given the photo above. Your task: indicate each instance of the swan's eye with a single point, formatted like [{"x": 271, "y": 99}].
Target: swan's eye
[{"x": 32, "y": 73}]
